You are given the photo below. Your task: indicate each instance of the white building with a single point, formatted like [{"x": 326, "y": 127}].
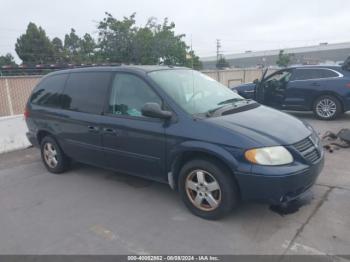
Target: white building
[{"x": 323, "y": 53}]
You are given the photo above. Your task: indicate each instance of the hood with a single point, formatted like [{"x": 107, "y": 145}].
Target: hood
[{"x": 265, "y": 126}]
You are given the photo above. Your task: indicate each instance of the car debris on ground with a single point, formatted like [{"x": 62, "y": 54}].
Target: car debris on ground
[{"x": 332, "y": 141}]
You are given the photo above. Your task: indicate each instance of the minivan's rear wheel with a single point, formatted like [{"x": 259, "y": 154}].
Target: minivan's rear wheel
[
  {"x": 207, "y": 189},
  {"x": 327, "y": 108},
  {"x": 52, "y": 155}
]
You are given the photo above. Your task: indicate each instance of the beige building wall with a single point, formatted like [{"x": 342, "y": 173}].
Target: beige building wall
[{"x": 234, "y": 77}]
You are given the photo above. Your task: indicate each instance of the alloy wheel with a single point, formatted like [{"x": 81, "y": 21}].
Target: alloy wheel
[
  {"x": 50, "y": 155},
  {"x": 203, "y": 190},
  {"x": 326, "y": 108}
]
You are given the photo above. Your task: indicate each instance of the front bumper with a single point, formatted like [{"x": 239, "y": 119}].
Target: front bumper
[{"x": 276, "y": 185}]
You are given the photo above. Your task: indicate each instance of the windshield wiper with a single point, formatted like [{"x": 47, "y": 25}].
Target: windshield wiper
[
  {"x": 229, "y": 104},
  {"x": 231, "y": 100},
  {"x": 211, "y": 112}
]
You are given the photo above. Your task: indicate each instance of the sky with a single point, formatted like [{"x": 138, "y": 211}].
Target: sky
[{"x": 240, "y": 24}]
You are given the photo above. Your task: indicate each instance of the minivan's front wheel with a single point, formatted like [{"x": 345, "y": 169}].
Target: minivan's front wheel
[
  {"x": 327, "y": 108},
  {"x": 207, "y": 189},
  {"x": 52, "y": 155}
]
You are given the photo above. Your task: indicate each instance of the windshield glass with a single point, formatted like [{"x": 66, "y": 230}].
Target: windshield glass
[{"x": 195, "y": 92}]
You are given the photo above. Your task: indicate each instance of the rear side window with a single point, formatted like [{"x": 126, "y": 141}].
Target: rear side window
[
  {"x": 329, "y": 73},
  {"x": 86, "y": 92},
  {"x": 49, "y": 91},
  {"x": 306, "y": 74}
]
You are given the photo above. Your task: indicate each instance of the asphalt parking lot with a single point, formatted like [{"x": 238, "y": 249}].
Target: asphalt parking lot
[{"x": 93, "y": 211}]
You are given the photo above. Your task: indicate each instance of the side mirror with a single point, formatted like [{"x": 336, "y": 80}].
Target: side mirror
[
  {"x": 256, "y": 81},
  {"x": 154, "y": 110}
]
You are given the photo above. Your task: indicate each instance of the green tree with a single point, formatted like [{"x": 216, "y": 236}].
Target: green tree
[
  {"x": 122, "y": 41},
  {"x": 58, "y": 49},
  {"x": 79, "y": 50},
  {"x": 116, "y": 38},
  {"x": 222, "y": 63},
  {"x": 7, "y": 60},
  {"x": 283, "y": 59},
  {"x": 169, "y": 48},
  {"x": 34, "y": 46},
  {"x": 143, "y": 47},
  {"x": 72, "y": 46},
  {"x": 193, "y": 61},
  {"x": 119, "y": 41},
  {"x": 87, "y": 49}
]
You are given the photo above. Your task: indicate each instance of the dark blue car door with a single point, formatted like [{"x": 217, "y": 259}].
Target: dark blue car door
[
  {"x": 305, "y": 85},
  {"x": 79, "y": 128},
  {"x": 132, "y": 143},
  {"x": 297, "y": 90}
]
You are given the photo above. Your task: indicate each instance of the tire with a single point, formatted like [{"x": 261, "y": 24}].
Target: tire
[
  {"x": 226, "y": 196},
  {"x": 327, "y": 107},
  {"x": 52, "y": 156}
]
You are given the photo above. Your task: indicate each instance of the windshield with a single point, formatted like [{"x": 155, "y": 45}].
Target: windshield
[{"x": 195, "y": 92}]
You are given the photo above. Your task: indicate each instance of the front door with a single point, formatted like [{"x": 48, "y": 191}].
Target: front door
[{"x": 133, "y": 143}]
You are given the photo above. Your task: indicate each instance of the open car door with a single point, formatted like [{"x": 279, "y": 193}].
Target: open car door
[
  {"x": 346, "y": 64},
  {"x": 259, "y": 88}
]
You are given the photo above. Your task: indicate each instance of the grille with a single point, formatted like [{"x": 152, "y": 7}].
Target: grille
[
  {"x": 312, "y": 156},
  {"x": 304, "y": 145},
  {"x": 308, "y": 150}
]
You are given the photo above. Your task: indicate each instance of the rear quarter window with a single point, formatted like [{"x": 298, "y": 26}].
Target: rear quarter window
[
  {"x": 309, "y": 74},
  {"x": 86, "y": 91},
  {"x": 49, "y": 91},
  {"x": 329, "y": 73}
]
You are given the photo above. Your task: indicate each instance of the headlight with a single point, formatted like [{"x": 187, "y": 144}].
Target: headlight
[
  {"x": 269, "y": 156},
  {"x": 309, "y": 127},
  {"x": 314, "y": 136}
]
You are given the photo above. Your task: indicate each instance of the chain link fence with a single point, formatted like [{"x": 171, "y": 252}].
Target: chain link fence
[{"x": 14, "y": 93}]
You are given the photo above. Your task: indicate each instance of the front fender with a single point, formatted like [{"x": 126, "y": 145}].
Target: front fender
[
  {"x": 231, "y": 157},
  {"x": 202, "y": 147}
]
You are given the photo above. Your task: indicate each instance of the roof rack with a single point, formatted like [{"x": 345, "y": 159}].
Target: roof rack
[{"x": 41, "y": 69}]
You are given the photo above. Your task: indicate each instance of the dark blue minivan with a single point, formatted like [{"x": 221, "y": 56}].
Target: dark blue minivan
[
  {"x": 325, "y": 90},
  {"x": 176, "y": 126}
]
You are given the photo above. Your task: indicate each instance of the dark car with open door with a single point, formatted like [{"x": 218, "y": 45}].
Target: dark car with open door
[{"x": 325, "y": 90}]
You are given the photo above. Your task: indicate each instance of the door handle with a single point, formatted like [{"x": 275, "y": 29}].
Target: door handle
[
  {"x": 109, "y": 131},
  {"x": 315, "y": 84},
  {"x": 93, "y": 129}
]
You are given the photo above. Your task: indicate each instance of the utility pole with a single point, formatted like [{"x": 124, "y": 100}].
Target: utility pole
[
  {"x": 191, "y": 53},
  {"x": 218, "y": 46}
]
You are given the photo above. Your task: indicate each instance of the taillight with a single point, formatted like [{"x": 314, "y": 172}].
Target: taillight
[
  {"x": 26, "y": 113},
  {"x": 348, "y": 85}
]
